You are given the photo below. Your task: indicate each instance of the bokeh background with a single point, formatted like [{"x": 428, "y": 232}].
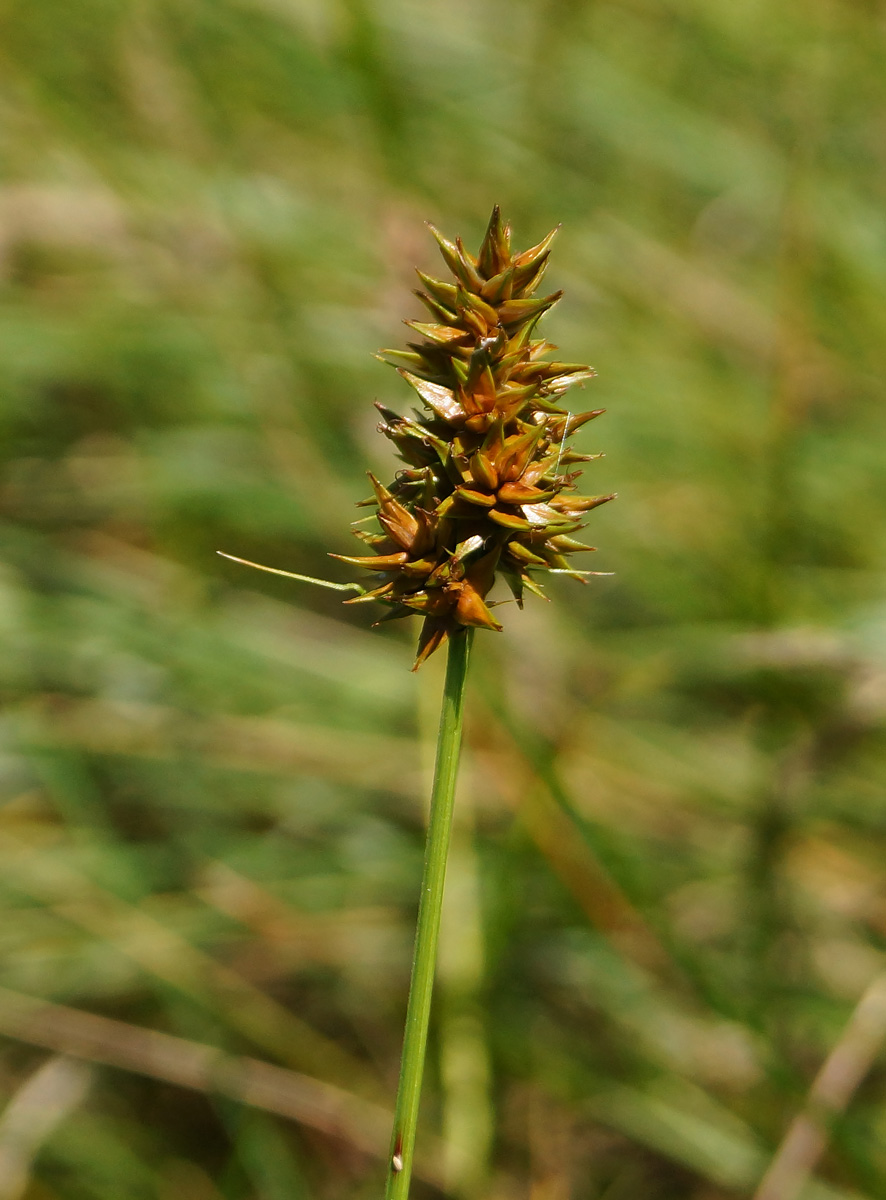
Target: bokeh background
[{"x": 667, "y": 895}]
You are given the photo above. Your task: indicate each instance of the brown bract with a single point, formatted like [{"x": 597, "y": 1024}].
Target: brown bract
[{"x": 486, "y": 490}]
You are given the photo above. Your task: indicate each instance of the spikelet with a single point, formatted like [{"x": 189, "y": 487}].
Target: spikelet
[{"x": 486, "y": 489}]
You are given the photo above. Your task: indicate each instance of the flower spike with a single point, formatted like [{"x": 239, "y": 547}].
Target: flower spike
[{"x": 485, "y": 490}]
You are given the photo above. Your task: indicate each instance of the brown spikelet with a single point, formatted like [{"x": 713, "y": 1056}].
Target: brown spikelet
[{"x": 485, "y": 490}]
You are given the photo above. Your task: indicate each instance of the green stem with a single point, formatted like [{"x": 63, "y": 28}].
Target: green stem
[{"x": 418, "y": 1009}]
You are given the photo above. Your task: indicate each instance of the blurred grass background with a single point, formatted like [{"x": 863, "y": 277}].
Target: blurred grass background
[{"x": 667, "y": 894}]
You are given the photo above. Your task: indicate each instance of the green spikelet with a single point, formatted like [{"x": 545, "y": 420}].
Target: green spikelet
[{"x": 485, "y": 491}]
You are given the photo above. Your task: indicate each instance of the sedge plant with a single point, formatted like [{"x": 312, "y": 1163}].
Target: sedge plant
[{"x": 487, "y": 490}]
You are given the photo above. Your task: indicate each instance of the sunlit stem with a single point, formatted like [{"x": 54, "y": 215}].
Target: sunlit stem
[{"x": 427, "y": 934}]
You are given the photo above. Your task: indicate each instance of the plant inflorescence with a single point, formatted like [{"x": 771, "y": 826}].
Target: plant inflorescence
[{"x": 486, "y": 489}]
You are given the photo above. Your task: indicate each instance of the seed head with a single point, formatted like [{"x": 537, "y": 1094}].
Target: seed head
[{"x": 486, "y": 489}]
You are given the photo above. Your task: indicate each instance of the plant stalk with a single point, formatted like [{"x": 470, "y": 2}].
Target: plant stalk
[{"x": 418, "y": 1009}]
